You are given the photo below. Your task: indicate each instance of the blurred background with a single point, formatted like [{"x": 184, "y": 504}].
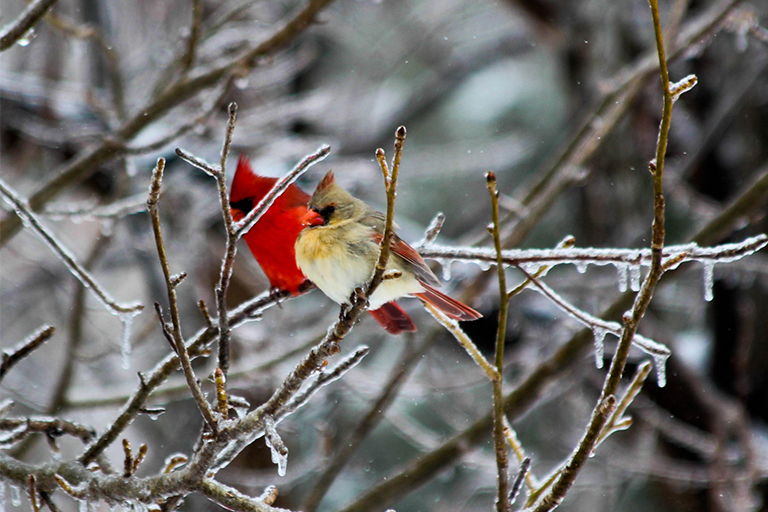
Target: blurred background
[{"x": 559, "y": 99}]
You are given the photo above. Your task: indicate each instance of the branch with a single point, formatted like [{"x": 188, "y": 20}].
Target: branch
[
  {"x": 23, "y": 349},
  {"x": 171, "y": 284},
  {"x": 582, "y": 256},
  {"x": 24, "y": 22},
  {"x": 22, "y": 209},
  {"x": 502, "y": 454}
]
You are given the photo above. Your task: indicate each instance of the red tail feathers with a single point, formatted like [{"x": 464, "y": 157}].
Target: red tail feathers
[
  {"x": 393, "y": 319},
  {"x": 451, "y": 307}
]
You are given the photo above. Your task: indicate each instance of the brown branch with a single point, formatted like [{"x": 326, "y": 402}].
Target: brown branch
[
  {"x": 24, "y": 348},
  {"x": 500, "y": 445},
  {"x": 194, "y": 35},
  {"x": 24, "y": 23},
  {"x": 178, "y": 340}
]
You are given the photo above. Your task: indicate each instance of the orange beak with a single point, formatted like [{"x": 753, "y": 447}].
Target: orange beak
[{"x": 312, "y": 218}]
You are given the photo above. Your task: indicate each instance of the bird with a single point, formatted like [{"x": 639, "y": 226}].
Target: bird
[
  {"x": 339, "y": 247},
  {"x": 272, "y": 239}
]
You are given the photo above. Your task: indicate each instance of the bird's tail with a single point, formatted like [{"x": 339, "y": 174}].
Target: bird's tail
[
  {"x": 393, "y": 319},
  {"x": 451, "y": 307}
]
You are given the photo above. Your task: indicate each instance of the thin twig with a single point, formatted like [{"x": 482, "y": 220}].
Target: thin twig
[
  {"x": 181, "y": 349},
  {"x": 228, "y": 263},
  {"x": 194, "y": 36},
  {"x": 23, "y": 349},
  {"x": 24, "y": 23},
  {"x": 500, "y": 446},
  {"x": 22, "y": 209},
  {"x": 617, "y": 421}
]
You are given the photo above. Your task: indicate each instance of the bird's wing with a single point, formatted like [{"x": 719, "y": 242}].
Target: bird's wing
[{"x": 412, "y": 258}]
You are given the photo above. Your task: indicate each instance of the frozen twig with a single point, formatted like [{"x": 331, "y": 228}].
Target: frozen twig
[
  {"x": 599, "y": 326},
  {"x": 19, "y": 428},
  {"x": 228, "y": 262},
  {"x": 20, "y": 351},
  {"x": 595, "y": 256},
  {"x": 519, "y": 451},
  {"x": 433, "y": 230},
  {"x": 24, "y": 212},
  {"x": 525, "y": 466},
  {"x": 24, "y": 23},
  {"x": 631, "y": 318},
  {"x": 170, "y": 284},
  {"x": 500, "y": 446}
]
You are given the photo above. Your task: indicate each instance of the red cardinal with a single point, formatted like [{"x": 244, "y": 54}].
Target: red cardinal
[{"x": 273, "y": 238}]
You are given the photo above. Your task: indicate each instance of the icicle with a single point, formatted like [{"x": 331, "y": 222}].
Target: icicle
[
  {"x": 634, "y": 278},
  {"x": 446, "y": 270},
  {"x": 660, "y": 361},
  {"x": 709, "y": 280},
  {"x": 125, "y": 340},
  {"x": 581, "y": 266},
  {"x": 83, "y": 506},
  {"x": 599, "y": 334},
  {"x": 15, "y": 496},
  {"x": 658, "y": 351},
  {"x": 281, "y": 459},
  {"x": 622, "y": 269},
  {"x": 485, "y": 266},
  {"x": 2, "y": 496}
]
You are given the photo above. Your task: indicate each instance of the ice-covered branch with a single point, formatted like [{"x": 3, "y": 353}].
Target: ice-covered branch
[
  {"x": 15, "y": 354},
  {"x": 24, "y": 23},
  {"x": 583, "y": 256}
]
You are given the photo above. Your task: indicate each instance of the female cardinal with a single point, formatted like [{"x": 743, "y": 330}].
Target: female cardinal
[
  {"x": 273, "y": 237},
  {"x": 339, "y": 247}
]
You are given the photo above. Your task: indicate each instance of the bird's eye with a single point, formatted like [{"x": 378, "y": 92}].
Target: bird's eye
[{"x": 327, "y": 211}]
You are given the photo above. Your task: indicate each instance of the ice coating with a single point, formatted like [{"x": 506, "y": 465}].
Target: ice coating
[
  {"x": 709, "y": 281},
  {"x": 279, "y": 457},
  {"x": 634, "y": 278},
  {"x": 622, "y": 269},
  {"x": 599, "y": 334},
  {"x": 125, "y": 338}
]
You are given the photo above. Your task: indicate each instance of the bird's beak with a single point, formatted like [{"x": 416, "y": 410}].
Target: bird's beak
[{"x": 312, "y": 218}]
